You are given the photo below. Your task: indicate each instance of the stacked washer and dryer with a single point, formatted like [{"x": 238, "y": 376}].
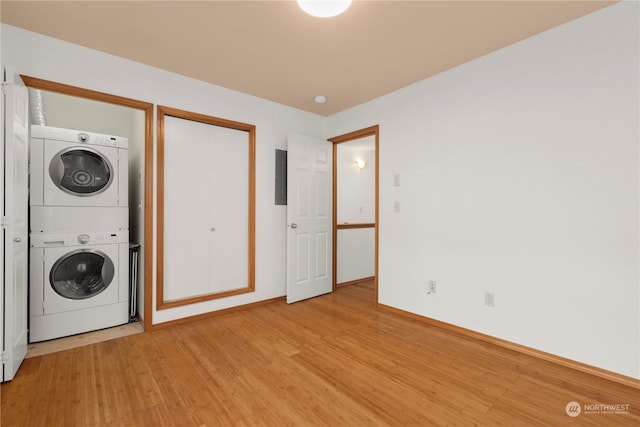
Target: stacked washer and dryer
[{"x": 79, "y": 232}]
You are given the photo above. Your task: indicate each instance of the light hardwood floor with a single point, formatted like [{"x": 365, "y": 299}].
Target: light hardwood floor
[
  {"x": 332, "y": 361},
  {"x": 66, "y": 343}
]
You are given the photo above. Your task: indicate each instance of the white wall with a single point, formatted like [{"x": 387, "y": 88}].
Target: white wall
[
  {"x": 72, "y": 112},
  {"x": 356, "y": 187},
  {"x": 520, "y": 176},
  {"x": 355, "y": 254},
  {"x": 47, "y": 58}
]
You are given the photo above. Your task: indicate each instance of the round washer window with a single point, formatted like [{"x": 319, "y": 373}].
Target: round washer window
[
  {"x": 81, "y": 274},
  {"x": 81, "y": 172}
]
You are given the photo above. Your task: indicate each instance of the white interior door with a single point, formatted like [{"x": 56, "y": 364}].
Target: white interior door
[
  {"x": 309, "y": 217},
  {"x": 16, "y": 124}
]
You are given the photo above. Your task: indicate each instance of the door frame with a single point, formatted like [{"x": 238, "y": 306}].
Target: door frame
[
  {"x": 347, "y": 137},
  {"x": 147, "y": 107}
]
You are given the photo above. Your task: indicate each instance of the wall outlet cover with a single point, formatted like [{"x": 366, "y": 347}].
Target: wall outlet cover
[{"x": 489, "y": 299}]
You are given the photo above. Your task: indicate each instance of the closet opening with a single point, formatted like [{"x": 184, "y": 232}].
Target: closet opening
[{"x": 77, "y": 108}]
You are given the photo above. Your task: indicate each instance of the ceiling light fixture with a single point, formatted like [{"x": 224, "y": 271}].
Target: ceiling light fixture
[
  {"x": 320, "y": 99},
  {"x": 324, "y": 8}
]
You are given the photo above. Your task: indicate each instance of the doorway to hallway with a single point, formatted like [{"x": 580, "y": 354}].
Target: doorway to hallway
[{"x": 355, "y": 208}]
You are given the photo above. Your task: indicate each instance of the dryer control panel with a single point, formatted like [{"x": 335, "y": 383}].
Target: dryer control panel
[{"x": 72, "y": 135}]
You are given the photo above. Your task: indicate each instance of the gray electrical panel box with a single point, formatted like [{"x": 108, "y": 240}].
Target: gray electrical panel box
[{"x": 281, "y": 177}]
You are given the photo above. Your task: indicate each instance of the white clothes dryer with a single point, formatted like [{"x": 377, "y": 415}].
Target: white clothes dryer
[
  {"x": 76, "y": 168},
  {"x": 78, "y": 283}
]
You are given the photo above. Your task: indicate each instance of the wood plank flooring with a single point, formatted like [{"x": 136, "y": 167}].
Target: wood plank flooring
[
  {"x": 80, "y": 340},
  {"x": 330, "y": 361}
]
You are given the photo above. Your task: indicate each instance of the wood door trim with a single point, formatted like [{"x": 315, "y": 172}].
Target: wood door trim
[
  {"x": 62, "y": 88},
  {"x": 358, "y": 225},
  {"x": 221, "y": 312},
  {"x": 361, "y": 133},
  {"x": 163, "y": 111},
  {"x": 147, "y": 107},
  {"x": 356, "y": 281}
]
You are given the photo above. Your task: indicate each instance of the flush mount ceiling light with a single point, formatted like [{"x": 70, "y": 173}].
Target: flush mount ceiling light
[
  {"x": 320, "y": 99},
  {"x": 324, "y": 8}
]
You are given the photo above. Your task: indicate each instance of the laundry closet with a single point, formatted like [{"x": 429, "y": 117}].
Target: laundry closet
[{"x": 85, "y": 213}]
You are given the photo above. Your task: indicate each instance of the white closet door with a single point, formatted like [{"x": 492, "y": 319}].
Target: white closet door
[
  {"x": 206, "y": 178},
  {"x": 16, "y": 266}
]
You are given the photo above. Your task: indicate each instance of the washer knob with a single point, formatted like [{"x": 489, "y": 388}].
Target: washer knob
[{"x": 83, "y": 239}]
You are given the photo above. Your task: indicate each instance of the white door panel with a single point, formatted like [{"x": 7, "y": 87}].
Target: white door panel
[
  {"x": 16, "y": 124},
  {"x": 309, "y": 222},
  {"x": 321, "y": 264}
]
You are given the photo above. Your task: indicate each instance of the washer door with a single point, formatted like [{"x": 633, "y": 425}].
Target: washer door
[
  {"x": 81, "y": 274},
  {"x": 81, "y": 172}
]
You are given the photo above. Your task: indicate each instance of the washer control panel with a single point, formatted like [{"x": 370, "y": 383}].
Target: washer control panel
[
  {"x": 97, "y": 238},
  {"x": 43, "y": 240}
]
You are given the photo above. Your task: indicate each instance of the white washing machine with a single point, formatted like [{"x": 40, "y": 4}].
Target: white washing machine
[
  {"x": 79, "y": 283},
  {"x": 78, "y": 169},
  {"x": 67, "y": 219}
]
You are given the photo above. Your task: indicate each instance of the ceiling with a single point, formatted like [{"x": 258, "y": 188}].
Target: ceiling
[{"x": 273, "y": 50}]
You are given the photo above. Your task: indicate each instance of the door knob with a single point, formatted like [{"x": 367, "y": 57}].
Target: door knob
[
  {"x": 294, "y": 225},
  {"x": 17, "y": 240}
]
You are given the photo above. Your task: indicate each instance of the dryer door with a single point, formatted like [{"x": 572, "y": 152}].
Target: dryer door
[
  {"x": 81, "y": 278},
  {"x": 76, "y": 175},
  {"x": 81, "y": 172}
]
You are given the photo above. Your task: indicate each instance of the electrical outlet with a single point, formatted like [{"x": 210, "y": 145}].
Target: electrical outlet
[
  {"x": 396, "y": 180},
  {"x": 489, "y": 299},
  {"x": 432, "y": 287}
]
